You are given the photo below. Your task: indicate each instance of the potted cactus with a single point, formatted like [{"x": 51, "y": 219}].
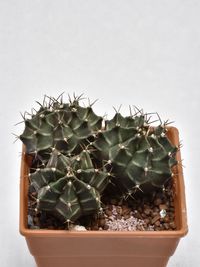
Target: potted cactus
[{"x": 81, "y": 172}]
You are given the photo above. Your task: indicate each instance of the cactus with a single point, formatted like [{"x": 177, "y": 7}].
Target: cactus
[
  {"x": 75, "y": 158},
  {"x": 69, "y": 187},
  {"x": 140, "y": 155},
  {"x": 65, "y": 127}
]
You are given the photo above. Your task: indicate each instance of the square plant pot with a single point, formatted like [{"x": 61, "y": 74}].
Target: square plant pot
[{"x": 61, "y": 248}]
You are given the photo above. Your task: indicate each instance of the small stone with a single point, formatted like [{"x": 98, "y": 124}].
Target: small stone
[
  {"x": 155, "y": 213},
  {"x": 156, "y": 218},
  {"x": 156, "y": 209},
  {"x": 157, "y": 201},
  {"x": 144, "y": 215},
  {"x": 118, "y": 217},
  {"x": 167, "y": 203},
  {"x": 147, "y": 220},
  {"x": 106, "y": 227},
  {"x": 119, "y": 210},
  {"x": 145, "y": 226},
  {"x": 172, "y": 225},
  {"x": 138, "y": 215},
  {"x": 127, "y": 216},
  {"x": 166, "y": 226},
  {"x": 36, "y": 220},
  {"x": 172, "y": 216},
  {"x": 140, "y": 227},
  {"x": 125, "y": 210},
  {"x": 157, "y": 223},
  {"x": 102, "y": 222},
  {"x": 147, "y": 211},
  {"x": 163, "y": 213},
  {"x": 140, "y": 209},
  {"x": 111, "y": 218},
  {"x": 166, "y": 219},
  {"x": 162, "y": 227},
  {"x": 163, "y": 207},
  {"x": 108, "y": 213}
]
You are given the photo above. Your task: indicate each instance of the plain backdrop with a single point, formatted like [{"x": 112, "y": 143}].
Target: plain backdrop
[{"x": 143, "y": 53}]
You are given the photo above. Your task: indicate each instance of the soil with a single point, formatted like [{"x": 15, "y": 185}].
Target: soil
[{"x": 144, "y": 213}]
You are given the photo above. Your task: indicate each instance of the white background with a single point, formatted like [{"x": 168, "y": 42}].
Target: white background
[{"x": 145, "y": 53}]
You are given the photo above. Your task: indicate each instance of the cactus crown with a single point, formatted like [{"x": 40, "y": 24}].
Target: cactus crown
[
  {"x": 62, "y": 126},
  {"x": 76, "y": 158}
]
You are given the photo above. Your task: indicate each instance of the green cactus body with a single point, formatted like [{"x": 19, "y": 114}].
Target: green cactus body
[
  {"x": 65, "y": 127},
  {"x": 69, "y": 188},
  {"x": 139, "y": 154}
]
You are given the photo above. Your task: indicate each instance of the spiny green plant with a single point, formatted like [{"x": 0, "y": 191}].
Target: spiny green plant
[
  {"x": 76, "y": 158},
  {"x": 140, "y": 155},
  {"x": 65, "y": 127},
  {"x": 69, "y": 187}
]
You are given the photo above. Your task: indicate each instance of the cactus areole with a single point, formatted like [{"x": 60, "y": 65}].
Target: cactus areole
[{"x": 77, "y": 155}]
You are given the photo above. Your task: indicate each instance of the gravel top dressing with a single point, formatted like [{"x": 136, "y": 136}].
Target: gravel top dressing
[{"x": 146, "y": 213}]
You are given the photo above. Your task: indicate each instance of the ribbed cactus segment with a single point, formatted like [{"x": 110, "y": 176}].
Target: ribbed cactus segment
[
  {"x": 139, "y": 154},
  {"x": 65, "y": 127},
  {"x": 126, "y": 122},
  {"x": 69, "y": 187}
]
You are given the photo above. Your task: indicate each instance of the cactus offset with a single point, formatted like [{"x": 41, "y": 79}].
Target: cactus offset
[
  {"x": 69, "y": 187},
  {"x": 140, "y": 155},
  {"x": 62, "y": 126}
]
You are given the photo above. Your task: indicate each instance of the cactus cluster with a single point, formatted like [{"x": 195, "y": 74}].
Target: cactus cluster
[
  {"x": 76, "y": 156},
  {"x": 139, "y": 154}
]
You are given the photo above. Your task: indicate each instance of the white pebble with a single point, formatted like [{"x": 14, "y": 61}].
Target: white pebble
[{"x": 78, "y": 228}]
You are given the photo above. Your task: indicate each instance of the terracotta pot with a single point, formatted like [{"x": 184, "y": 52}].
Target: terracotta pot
[{"x": 60, "y": 248}]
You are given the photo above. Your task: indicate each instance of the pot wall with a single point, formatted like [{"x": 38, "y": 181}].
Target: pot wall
[{"x": 101, "y": 251}]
